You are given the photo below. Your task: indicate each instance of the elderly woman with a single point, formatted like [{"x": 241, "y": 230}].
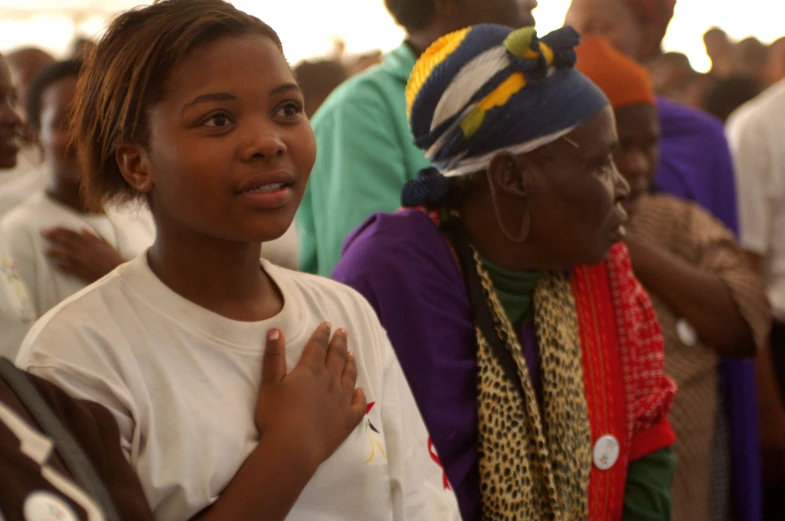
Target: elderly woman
[
  {"x": 533, "y": 352},
  {"x": 708, "y": 300}
]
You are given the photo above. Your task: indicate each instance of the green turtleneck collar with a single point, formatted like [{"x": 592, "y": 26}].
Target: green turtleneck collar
[{"x": 515, "y": 290}]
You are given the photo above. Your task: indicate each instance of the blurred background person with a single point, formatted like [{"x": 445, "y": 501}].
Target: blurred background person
[
  {"x": 727, "y": 94},
  {"x": 58, "y": 243},
  {"x": 719, "y": 49},
  {"x": 317, "y": 79},
  {"x": 82, "y": 47},
  {"x": 28, "y": 175},
  {"x": 695, "y": 164},
  {"x": 756, "y": 133},
  {"x": 749, "y": 59}
]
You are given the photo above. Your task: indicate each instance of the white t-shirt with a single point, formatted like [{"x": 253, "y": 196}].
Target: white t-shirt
[
  {"x": 20, "y": 236},
  {"x": 756, "y": 134},
  {"x": 183, "y": 384},
  {"x": 28, "y": 177},
  {"x": 16, "y": 311}
]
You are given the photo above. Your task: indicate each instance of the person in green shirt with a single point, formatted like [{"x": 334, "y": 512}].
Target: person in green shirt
[{"x": 365, "y": 150}]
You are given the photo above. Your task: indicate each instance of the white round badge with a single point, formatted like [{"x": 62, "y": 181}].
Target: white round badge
[
  {"x": 606, "y": 452},
  {"x": 45, "y": 506},
  {"x": 686, "y": 333}
]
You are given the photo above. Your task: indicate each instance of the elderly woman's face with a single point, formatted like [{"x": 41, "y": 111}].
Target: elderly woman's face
[{"x": 576, "y": 206}]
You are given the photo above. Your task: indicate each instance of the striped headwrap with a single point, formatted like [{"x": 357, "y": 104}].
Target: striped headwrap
[{"x": 489, "y": 88}]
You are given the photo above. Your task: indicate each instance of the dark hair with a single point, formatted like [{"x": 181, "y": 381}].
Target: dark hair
[
  {"x": 726, "y": 95},
  {"x": 411, "y": 14},
  {"x": 46, "y": 77},
  {"x": 714, "y": 31},
  {"x": 127, "y": 74},
  {"x": 321, "y": 76}
]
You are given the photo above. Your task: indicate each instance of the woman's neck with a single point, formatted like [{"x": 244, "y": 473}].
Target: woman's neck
[
  {"x": 67, "y": 193},
  {"x": 492, "y": 244},
  {"x": 222, "y": 276}
]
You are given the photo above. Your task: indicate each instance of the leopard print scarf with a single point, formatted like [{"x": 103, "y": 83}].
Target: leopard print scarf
[{"x": 534, "y": 467}]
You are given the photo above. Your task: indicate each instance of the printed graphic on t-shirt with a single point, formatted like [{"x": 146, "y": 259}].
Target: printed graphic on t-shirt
[
  {"x": 17, "y": 293},
  {"x": 435, "y": 458},
  {"x": 373, "y": 436}
]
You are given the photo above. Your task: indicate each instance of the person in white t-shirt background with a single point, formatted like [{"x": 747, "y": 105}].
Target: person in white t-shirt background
[
  {"x": 242, "y": 390},
  {"x": 16, "y": 313},
  {"x": 756, "y": 133},
  {"x": 58, "y": 244},
  {"x": 28, "y": 174}
]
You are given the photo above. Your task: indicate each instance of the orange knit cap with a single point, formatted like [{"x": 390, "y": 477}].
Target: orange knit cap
[{"x": 621, "y": 79}]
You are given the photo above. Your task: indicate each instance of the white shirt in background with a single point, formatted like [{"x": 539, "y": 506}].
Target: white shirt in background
[
  {"x": 28, "y": 177},
  {"x": 20, "y": 237},
  {"x": 756, "y": 133},
  {"x": 16, "y": 311},
  {"x": 183, "y": 384}
]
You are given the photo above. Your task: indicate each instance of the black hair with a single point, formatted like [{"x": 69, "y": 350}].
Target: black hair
[
  {"x": 44, "y": 78},
  {"x": 320, "y": 76},
  {"x": 726, "y": 95},
  {"x": 411, "y": 14},
  {"x": 127, "y": 74}
]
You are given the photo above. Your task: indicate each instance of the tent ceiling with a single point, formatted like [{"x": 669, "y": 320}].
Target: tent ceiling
[{"x": 24, "y": 7}]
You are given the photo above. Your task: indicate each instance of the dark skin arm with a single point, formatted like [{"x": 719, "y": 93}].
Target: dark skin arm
[
  {"x": 699, "y": 297},
  {"x": 82, "y": 254},
  {"x": 302, "y": 418},
  {"x": 755, "y": 262}
]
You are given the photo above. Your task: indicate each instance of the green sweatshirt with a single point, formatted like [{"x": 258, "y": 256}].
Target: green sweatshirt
[{"x": 365, "y": 156}]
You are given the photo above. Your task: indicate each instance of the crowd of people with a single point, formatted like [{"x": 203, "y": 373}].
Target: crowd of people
[{"x": 494, "y": 274}]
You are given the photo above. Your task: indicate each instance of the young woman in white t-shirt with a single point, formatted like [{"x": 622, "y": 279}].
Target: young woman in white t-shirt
[
  {"x": 235, "y": 397},
  {"x": 57, "y": 242}
]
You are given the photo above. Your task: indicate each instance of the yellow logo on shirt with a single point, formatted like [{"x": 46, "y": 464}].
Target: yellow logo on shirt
[{"x": 373, "y": 435}]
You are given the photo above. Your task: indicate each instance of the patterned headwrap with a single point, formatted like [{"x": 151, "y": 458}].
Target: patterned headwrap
[
  {"x": 489, "y": 88},
  {"x": 623, "y": 80},
  {"x": 658, "y": 13}
]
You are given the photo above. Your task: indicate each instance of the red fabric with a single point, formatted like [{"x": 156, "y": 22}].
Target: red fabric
[
  {"x": 651, "y": 440},
  {"x": 604, "y": 384},
  {"x": 621, "y": 78},
  {"x": 628, "y": 394}
]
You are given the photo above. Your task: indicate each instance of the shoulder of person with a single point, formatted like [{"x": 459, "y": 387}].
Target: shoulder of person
[
  {"x": 315, "y": 287},
  {"x": 761, "y": 114},
  {"x": 689, "y": 120},
  {"x": 94, "y": 428},
  {"x": 71, "y": 325},
  {"x": 36, "y": 213},
  {"x": 25, "y": 215},
  {"x": 363, "y": 95},
  {"x": 668, "y": 210},
  {"x": 384, "y": 238}
]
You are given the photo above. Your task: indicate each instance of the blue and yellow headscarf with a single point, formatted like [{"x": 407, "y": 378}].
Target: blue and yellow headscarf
[{"x": 488, "y": 88}]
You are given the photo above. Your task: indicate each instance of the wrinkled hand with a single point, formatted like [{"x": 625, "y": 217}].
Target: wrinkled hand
[
  {"x": 82, "y": 254},
  {"x": 317, "y": 401}
]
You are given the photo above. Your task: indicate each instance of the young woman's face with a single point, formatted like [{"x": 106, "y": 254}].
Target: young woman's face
[
  {"x": 54, "y": 135},
  {"x": 230, "y": 148}
]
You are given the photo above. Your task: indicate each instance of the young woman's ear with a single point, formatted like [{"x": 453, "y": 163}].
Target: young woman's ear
[{"x": 133, "y": 164}]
